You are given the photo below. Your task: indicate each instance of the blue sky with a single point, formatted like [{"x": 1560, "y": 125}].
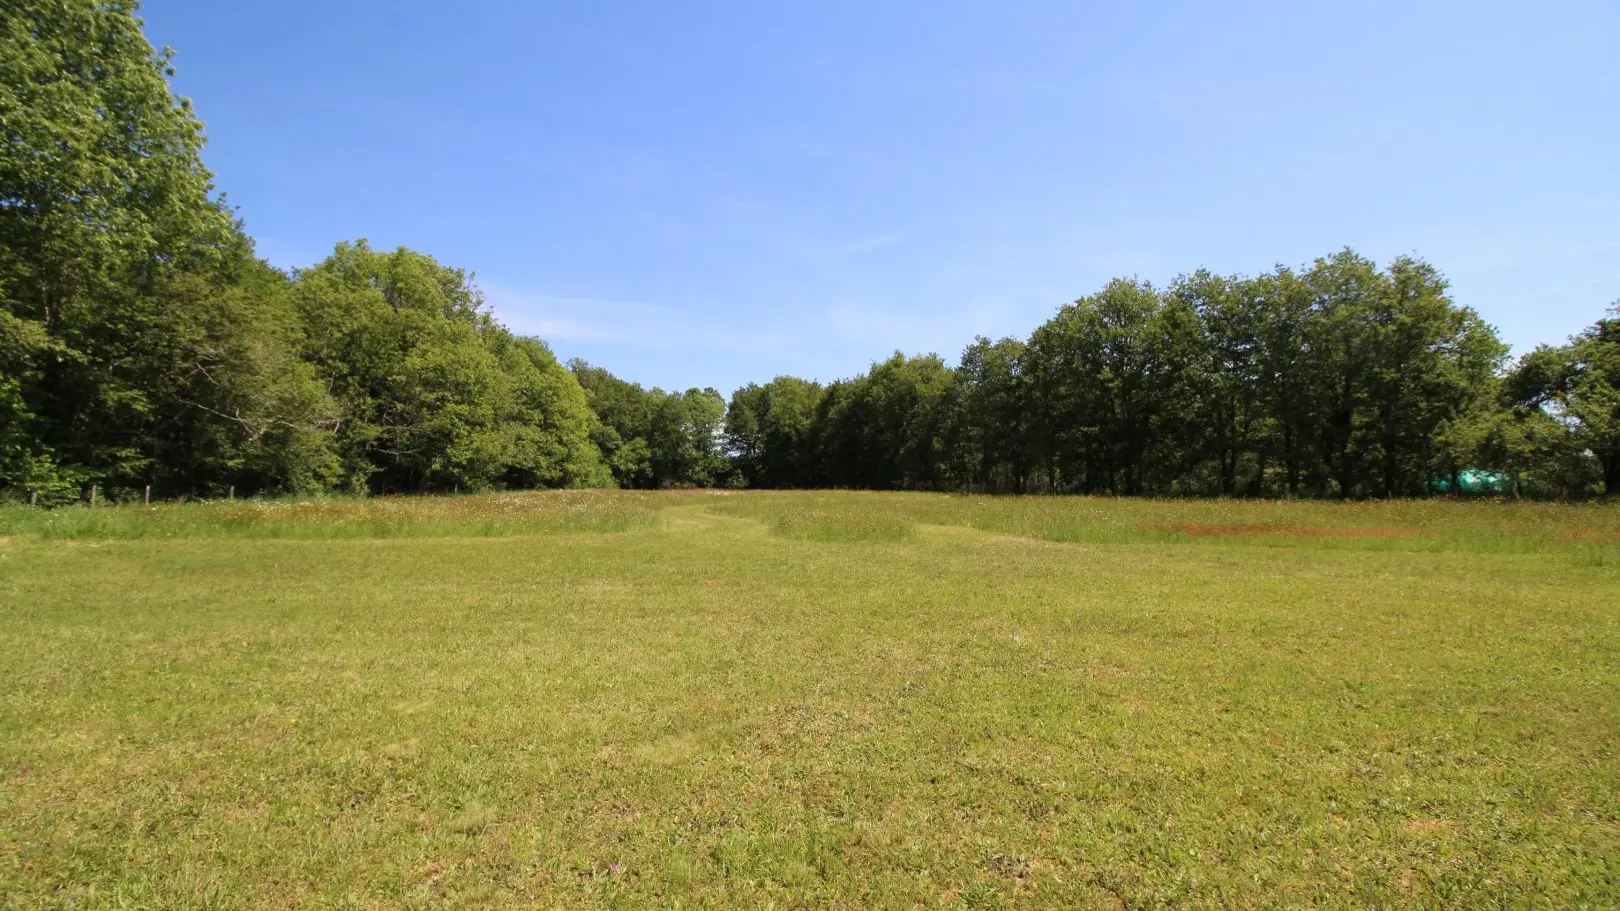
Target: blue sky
[{"x": 702, "y": 193}]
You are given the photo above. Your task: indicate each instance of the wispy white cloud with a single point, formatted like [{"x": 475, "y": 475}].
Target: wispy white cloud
[
  {"x": 559, "y": 327},
  {"x": 573, "y": 318},
  {"x": 863, "y": 245},
  {"x": 942, "y": 331},
  {"x": 1609, "y": 280},
  {"x": 1511, "y": 253},
  {"x": 821, "y": 249},
  {"x": 578, "y": 318}
]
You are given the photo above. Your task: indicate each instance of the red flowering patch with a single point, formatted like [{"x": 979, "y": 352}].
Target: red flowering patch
[{"x": 1282, "y": 529}]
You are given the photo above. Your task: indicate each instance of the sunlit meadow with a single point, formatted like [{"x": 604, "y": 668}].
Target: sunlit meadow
[{"x": 809, "y": 700}]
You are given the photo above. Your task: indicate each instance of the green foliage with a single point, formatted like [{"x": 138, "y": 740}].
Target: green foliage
[
  {"x": 1564, "y": 403},
  {"x": 1589, "y": 395},
  {"x": 991, "y": 415},
  {"x": 118, "y": 270},
  {"x": 885, "y": 430},
  {"x": 652, "y": 438},
  {"x": 434, "y": 393},
  {"x": 141, "y": 344},
  {"x": 767, "y": 432},
  {"x": 623, "y": 413},
  {"x": 1104, "y": 376},
  {"x": 548, "y": 420},
  {"x": 683, "y": 438},
  {"x": 1342, "y": 380}
]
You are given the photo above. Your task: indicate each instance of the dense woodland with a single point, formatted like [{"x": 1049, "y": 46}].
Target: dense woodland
[{"x": 142, "y": 344}]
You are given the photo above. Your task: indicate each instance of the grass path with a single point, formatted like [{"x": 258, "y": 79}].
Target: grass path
[{"x": 699, "y": 518}]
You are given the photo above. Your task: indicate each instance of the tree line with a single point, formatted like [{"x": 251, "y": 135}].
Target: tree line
[
  {"x": 1341, "y": 379},
  {"x": 143, "y": 344}
]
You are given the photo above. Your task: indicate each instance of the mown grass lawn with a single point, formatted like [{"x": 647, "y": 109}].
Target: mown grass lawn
[{"x": 810, "y": 701}]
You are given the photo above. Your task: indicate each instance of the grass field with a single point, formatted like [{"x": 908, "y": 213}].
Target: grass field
[{"x": 809, "y": 700}]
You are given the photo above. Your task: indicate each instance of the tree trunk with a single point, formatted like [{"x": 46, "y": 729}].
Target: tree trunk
[
  {"x": 1386, "y": 421},
  {"x": 1291, "y": 463}
]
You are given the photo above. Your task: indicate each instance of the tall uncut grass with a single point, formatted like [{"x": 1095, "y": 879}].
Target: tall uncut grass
[
  {"x": 328, "y": 518},
  {"x": 1590, "y": 532}
]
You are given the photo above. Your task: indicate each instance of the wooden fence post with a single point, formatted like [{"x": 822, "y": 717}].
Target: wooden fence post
[
  {"x": 146, "y": 499},
  {"x": 33, "y": 496},
  {"x": 230, "y": 492},
  {"x": 92, "y": 496}
]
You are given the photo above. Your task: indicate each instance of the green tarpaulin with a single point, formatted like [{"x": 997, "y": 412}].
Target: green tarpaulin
[{"x": 1471, "y": 480}]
